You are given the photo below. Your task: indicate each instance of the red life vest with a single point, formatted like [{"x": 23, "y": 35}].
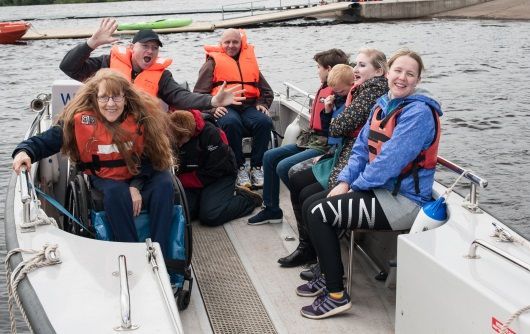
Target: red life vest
[
  {"x": 99, "y": 155},
  {"x": 244, "y": 71},
  {"x": 148, "y": 79},
  {"x": 349, "y": 99},
  {"x": 318, "y": 107},
  {"x": 381, "y": 130}
]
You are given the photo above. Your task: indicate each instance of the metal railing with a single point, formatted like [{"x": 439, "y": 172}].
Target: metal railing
[
  {"x": 306, "y": 95},
  {"x": 472, "y": 203},
  {"x": 125, "y": 297},
  {"x": 25, "y": 195},
  {"x": 41, "y": 105},
  {"x": 472, "y": 254}
]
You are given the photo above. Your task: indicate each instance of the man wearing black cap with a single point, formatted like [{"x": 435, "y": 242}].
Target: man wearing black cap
[{"x": 139, "y": 62}]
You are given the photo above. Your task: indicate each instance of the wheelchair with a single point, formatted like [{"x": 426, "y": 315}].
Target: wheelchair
[{"x": 84, "y": 202}]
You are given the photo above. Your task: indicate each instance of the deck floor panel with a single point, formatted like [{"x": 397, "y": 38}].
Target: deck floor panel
[{"x": 230, "y": 299}]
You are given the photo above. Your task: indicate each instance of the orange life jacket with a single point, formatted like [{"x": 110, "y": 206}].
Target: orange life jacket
[
  {"x": 244, "y": 71},
  {"x": 148, "y": 79},
  {"x": 381, "y": 130},
  {"x": 97, "y": 151},
  {"x": 315, "y": 122}
]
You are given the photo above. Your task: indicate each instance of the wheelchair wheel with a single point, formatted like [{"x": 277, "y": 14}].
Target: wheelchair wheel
[
  {"x": 77, "y": 204},
  {"x": 183, "y": 299}
]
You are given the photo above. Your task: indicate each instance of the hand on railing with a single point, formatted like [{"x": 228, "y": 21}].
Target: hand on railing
[{"x": 21, "y": 159}]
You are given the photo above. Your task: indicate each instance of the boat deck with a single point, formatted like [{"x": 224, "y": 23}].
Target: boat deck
[{"x": 256, "y": 249}]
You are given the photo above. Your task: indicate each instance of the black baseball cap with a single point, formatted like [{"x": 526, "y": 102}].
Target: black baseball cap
[{"x": 145, "y": 36}]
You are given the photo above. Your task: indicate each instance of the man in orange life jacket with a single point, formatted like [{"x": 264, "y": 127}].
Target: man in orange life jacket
[
  {"x": 234, "y": 61},
  {"x": 139, "y": 62}
]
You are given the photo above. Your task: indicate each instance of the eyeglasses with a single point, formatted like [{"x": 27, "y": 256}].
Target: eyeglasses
[{"x": 116, "y": 99}]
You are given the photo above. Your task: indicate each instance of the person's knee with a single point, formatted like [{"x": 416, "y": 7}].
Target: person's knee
[
  {"x": 206, "y": 218},
  {"x": 264, "y": 123},
  {"x": 282, "y": 169},
  {"x": 230, "y": 121},
  {"x": 116, "y": 192}
]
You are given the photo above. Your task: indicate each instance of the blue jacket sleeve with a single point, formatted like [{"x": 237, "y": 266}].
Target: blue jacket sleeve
[
  {"x": 43, "y": 145},
  {"x": 414, "y": 131}
]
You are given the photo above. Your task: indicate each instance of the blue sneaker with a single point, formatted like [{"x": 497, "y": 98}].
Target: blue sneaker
[
  {"x": 266, "y": 216},
  {"x": 325, "y": 306},
  {"x": 312, "y": 288}
]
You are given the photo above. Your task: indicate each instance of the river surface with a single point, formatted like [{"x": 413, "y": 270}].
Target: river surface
[{"x": 479, "y": 70}]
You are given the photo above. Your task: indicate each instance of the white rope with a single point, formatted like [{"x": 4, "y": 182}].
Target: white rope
[
  {"x": 47, "y": 256},
  {"x": 449, "y": 190},
  {"x": 40, "y": 219},
  {"x": 504, "y": 328}
]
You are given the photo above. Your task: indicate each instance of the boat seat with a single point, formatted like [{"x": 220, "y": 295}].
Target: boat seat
[{"x": 247, "y": 142}]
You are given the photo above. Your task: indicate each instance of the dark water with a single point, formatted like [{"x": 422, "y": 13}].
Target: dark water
[{"x": 479, "y": 70}]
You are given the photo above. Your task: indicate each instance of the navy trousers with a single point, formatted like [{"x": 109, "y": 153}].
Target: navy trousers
[
  {"x": 242, "y": 123},
  {"x": 157, "y": 198},
  {"x": 216, "y": 203}
]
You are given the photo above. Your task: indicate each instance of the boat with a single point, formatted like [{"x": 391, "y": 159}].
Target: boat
[
  {"x": 158, "y": 24},
  {"x": 10, "y": 32},
  {"x": 468, "y": 275}
]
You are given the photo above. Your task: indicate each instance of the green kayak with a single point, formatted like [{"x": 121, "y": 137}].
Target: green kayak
[{"x": 158, "y": 24}]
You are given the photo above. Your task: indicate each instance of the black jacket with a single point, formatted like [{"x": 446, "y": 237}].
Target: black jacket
[
  {"x": 78, "y": 65},
  {"x": 205, "y": 157}
]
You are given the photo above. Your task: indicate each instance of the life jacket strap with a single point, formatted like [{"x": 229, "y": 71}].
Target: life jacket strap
[
  {"x": 219, "y": 83},
  {"x": 96, "y": 164},
  {"x": 412, "y": 171}
]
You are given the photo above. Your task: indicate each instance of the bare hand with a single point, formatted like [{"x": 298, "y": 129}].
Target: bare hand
[
  {"x": 219, "y": 112},
  {"x": 226, "y": 97},
  {"x": 104, "y": 33},
  {"x": 339, "y": 189},
  {"x": 317, "y": 159},
  {"x": 328, "y": 103},
  {"x": 21, "y": 159},
  {"x": 263, "y": 109},
  {"x": 136, "y": 200}
]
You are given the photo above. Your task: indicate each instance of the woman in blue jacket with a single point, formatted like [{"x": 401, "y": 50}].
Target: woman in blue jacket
[{"x": 389, "y": 176}]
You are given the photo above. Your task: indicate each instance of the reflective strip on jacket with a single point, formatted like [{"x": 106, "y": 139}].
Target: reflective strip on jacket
[{"x": 97, "y": 151}]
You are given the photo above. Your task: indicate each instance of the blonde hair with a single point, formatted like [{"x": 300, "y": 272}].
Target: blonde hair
[
  {"x": 377, "y": 58},
  {"x": 144, "y": 108},
  {"x": 412, "y": 54},
  {"x": 341, "y": 73}
]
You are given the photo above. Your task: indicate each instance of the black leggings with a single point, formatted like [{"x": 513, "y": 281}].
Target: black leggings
[
  {"x": 302, "y": 184},
  {"x": 353, "y": 210}
]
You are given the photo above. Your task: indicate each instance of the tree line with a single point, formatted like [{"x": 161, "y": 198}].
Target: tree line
[{"x": 46, "y": 2}]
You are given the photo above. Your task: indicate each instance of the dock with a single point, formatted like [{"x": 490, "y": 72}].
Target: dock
[
  {"x": 496, "y": 10},
  {"x": 351, "y": 11}
]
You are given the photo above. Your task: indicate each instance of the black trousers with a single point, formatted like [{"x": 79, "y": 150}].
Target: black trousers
[
  {"x": 216, "y": 203},
  {"x": 302, "y": 184},
  {"x": 322, "y": 215}
]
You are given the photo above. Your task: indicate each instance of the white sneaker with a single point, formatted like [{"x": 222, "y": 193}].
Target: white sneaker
[
  {"x": 256, "y": 177},
  {"x": 243, "y": 178}
]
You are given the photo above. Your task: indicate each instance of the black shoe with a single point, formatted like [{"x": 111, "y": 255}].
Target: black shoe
[
  {"x": 310, "y": 273},
  {"x": 300, "y": 256}
]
